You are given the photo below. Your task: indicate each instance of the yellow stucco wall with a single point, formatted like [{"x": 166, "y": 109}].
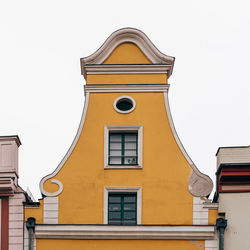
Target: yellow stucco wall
[
  {"x": 120, "y": 244},
  {"x": 164, "y": 177},
  {"x": 212, "y": 216},
  {"x": 36, "y": 212},
  {"x": 127, "y": 53}
]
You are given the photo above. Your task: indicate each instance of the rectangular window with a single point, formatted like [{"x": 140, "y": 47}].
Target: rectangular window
[
  {"x": 122, "y": 208},
  {"x": 123, "y": 148}
]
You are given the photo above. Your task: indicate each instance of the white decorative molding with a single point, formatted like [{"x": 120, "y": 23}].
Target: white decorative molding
[
  {"x": 123, "y": 128},
  {"x": 60, "y": 185},
  {"x": 110, "y": 69},
  {"x": 16, "y": 215},
  {"x": 50, "y": 210},
  {"x": 149, "y": 232},
  {"x": 7, "y": 185},
  {"x": 137, "y": 190},
  {"x": 120, "y": 88},
  {"x": 47, "y": 177},
  {"x": 200, "y": 185},
  {"x": 200, "y": 214},
  {"x": 128, "y": 35},
  {"x": 122, "y": 98},
  {"x": 211, "y": 244},
  {"x": 210, "y": 205}
]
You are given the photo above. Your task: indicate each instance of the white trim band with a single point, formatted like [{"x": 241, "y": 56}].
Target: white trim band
[
  {"x": 118, "y": 88},
  {"x": 109, "y": 69},
  {"x": 96, "y": 232}
]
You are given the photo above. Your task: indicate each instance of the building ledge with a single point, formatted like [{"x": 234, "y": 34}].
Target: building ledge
[
  {"x": 138, "y": 232},
  {"x": 7, "y": 186}
]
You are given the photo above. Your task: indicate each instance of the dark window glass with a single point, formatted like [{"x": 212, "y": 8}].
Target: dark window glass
[
  {"x": 122, "y": 208},
  {"x": 124, "y": 104}
]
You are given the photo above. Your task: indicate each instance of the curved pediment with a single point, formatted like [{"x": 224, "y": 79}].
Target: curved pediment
[{"x": 126, "y": 37}]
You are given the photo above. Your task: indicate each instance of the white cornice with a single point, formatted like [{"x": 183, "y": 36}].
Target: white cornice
[
  {"x": 11, "y": 138},
  {"x": 120, "y": 88},
  {"x": 166, "y": 232},
  {"x": 132, "y": 36},
  {"x": 210, "y": 205},
  {"x": 107, "y": 69}
]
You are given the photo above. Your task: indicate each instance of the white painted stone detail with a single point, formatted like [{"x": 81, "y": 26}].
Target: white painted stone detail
[
  {"x": 200, "y": 214},
  {"x": 211, "y": 244},
  {"x": 16, "y": 215},
  {"x": 50, "y": 210}
]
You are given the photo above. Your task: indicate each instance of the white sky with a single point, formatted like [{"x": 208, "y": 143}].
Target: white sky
[{"x": 41, "y": 85}]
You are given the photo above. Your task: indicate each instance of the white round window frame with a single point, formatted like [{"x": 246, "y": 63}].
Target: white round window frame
[{"x": 124, "y": 97}]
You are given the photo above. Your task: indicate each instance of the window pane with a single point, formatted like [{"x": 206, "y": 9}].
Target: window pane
[
  {"x": 129, "y": 222},
  {"x": 115, "y": 160},
  {"x": 114, "y": 198},
  {"x": 115, "y": 152},
  {"x": 114, "y": 215},
  {"x": 115, "y": 207},
  {"x": 130, "y": 145},
  {"x": 130, "y": 137},
  {"x": 130, "y": 198},
  {"x": 130, "y": 152},
  {"x": 115, "y": 137},
  {"x": 115, "y": 222},
  {"x": 129, "y": 207},
  {"x": 130, "y": 160},
  {"x": 115, "y": 145},
  {"x": 129, "y": 215}
]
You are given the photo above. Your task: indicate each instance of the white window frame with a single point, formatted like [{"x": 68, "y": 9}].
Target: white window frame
[
  {"x": 137, "y": 190},
  {"x": 124, "y": 97},
  {"x": 123, "y": 128}
]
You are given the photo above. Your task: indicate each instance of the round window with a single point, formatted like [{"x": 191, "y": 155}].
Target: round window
[{"x": 124, "y": 104}]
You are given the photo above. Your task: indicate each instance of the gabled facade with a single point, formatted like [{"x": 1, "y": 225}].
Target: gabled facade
[{"x": 126, "y": 181}]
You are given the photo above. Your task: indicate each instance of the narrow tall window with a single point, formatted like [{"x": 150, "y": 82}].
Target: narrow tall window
[
  {"x": 122, "y": 208},
  {"x": 123, "y": 148}
]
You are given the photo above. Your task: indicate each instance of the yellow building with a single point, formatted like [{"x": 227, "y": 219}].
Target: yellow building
[{"x": 126, "y": 182}]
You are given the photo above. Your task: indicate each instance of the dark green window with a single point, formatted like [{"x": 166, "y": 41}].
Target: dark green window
[
  {"x": 122, "y": 208},
  {"x": 123, "y": 148}
]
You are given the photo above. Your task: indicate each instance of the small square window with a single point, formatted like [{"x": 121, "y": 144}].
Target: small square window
[
  {"x": 122, "y": 205},
  {"x": 122, "y": 209},
  {"x": 123, "y": 147}
]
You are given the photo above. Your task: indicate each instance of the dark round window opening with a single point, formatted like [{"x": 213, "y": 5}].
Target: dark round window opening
[{"x": 124, "y": 104}]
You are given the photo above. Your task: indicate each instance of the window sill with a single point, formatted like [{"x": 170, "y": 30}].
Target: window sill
[{"x": 123, "y": 167}]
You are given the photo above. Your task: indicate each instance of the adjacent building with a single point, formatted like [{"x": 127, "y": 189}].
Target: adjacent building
[
  {"x": 233, "y": 194},
  {"x": 12, "y": 196}
]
